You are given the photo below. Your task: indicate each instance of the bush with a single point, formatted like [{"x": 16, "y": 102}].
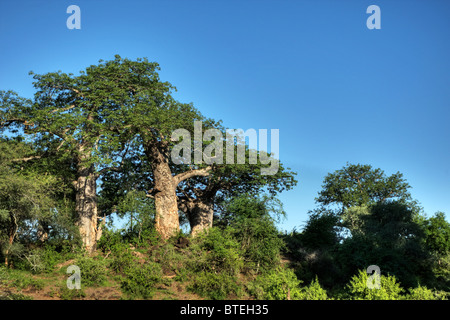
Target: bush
[
  {"x": 93, "y": 271},
  {"x": 216, "y": 251},
  {"x": 260, "y": 242},
  {"x": 140, "y": 281},
  {"x": 110, "y": 241},
  {"x": 122, "y": 260},
  {"x": 50, "y": 256},
  {"x": 215, "y": 286},
  {"x": 277, "y": 284},
  {"x": 34, "y": 261},
  {"x": 251, "y": 220},
  {"x": 313, "y": 292},
  {"x": 421, "y": 293},
  {"x": 23, "y": 282},
  {"x": 19, "y": 279},
  {"x": 389, "y": 288},
  {"x": 71, "y": 294}
]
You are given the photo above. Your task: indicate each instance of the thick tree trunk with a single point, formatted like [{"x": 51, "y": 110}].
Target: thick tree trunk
[
  {"x": 42, "y": 232},
  {"x": 166, "y": 220},
  {"x": 199, "y": 212},
  {"x": 86, "y": 208},
  {"x": 201, "y": 216},
  {"x": 164, "y": 192}
]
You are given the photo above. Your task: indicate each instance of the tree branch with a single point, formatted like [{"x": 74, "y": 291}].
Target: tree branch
[
  {"x": 26, "y": 158},
  {"x": 63, "y": 109},
  {"x": 192, "y": 173}
]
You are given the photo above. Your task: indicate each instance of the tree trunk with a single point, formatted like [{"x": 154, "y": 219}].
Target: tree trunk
[
  {"x": 201, "y": 216},
  {"x": 42, "y": 232},
  {"x": 12, "y": 233},
  {"x": 164, "y": 192},
  {"x": 86, "y": 208},
  {"x": 166, "y": 220}
]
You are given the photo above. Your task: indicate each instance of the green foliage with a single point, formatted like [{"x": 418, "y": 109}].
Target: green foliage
[
  {"x": 421, "y": 293},
  {"x": 93, "y": 271},
  {"x": 20, "y": 279},
  {"x": 320, "y": 231},
  {"x": 71, "y": 294},
  {"x": 359, "y": 290},
  {"x": 139, "y": 211},
  {"x": 357, "y": 185},
  {"x": 45, "y": 258},
  {"x": 217, "y": 251},
  {"x": 437, "y": 233},
  {"x": 250, "y": 221},
  {"x": 140, "y": 280},
  {"x": 388, "y": 236},
  {"x": 122, "y": 260},
  {"x": 25, "y": 197},
  {"x": 111, "y": 240},
  {"x": 14, "y": 296},
  {"x": 313, "y": 292},
  {"x": 277, "y": 284},
  {"x": 216, "y": 286}
]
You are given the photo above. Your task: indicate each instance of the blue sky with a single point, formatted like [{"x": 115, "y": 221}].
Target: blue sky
[{"x": 337, "y": 91}]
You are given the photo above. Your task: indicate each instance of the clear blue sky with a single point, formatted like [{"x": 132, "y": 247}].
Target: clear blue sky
[{"x": 337, "y": 91}]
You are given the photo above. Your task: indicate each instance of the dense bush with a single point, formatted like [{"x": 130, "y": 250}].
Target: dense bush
[
  {"x": 313, "y": 292},
  {"x": 93, "y": 271},
  {"x": 359, "y": 290},
  {"x": 216, "y": 251},
  {"x": 276, "y": 284},
  {"x": 217, "y": 286},
  {"x": 139, "y": 280},
  {"x": 421, "y": 293},
  {"x": 122, "y": 260},
  {"x": 251, "y": 220}
]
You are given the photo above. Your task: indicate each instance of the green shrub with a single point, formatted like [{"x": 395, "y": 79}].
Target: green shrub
[
  {"x": 92, "y": 271},
  {"x": 14, "y": 296},
  {"x": 122, "y": 260},
  {"x": 110, "y": 240},
  {"x": 251, "y": 220},
  {"x": 45, "y": 258},
  {"x": 20, "y": 279},
  {"x": 3, "y": 274},
  {"x": 171, "y": 259},
  {"x": 389, "y": 288},
  {"x": 421, "y": 293},
  {"x": 216, "y": 251},
  {"x": 260, "y": 242},
  {"x": 34, "y": 262},
  {"x": 215, "y": 286},
  {"x": 50, "y": 257},
  {"x": 140, "y": 280},
  {"x": 71, "y": 294},
  {"x": 26, "y": 281},
  {"x": 277, "y": 284},
  {"x": 313, "y": 292}
]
